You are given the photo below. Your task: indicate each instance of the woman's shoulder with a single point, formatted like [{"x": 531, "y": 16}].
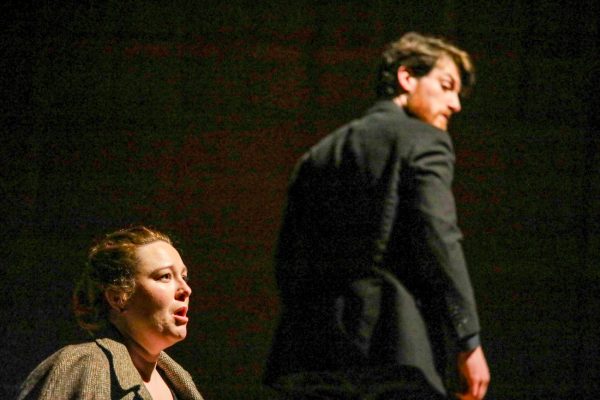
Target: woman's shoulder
[
  {"x": 68, "y": 368},
  {"x": 82, "y": 355},
  {"x": 73, "y": 355}
]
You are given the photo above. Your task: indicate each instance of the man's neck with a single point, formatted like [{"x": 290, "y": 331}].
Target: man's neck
[{"x": 400, "y": 101}]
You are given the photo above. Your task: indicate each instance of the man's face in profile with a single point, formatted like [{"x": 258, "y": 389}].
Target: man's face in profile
[{"x": 435, "y": 97}]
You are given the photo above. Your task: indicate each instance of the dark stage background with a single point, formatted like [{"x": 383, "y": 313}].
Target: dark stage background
[{"x": 190, "y": 116}]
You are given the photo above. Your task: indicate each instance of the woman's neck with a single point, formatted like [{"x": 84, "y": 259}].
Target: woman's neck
[
  {"x": 143, "y": 357},
  {"x": 143, "y": 360}
]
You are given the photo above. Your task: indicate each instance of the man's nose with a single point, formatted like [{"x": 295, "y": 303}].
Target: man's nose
[{"x": 454, "y": 103}]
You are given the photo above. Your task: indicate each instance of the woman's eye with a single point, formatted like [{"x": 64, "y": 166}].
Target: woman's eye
[
  {"x": 186, "y": 278},
  {"x": 165, "y": 277}
]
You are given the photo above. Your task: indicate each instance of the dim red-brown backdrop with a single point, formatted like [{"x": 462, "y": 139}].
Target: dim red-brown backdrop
[{"x": 190, "y": 116}]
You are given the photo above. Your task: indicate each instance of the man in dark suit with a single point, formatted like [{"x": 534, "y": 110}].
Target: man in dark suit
[{"x": 376, "y": 297}]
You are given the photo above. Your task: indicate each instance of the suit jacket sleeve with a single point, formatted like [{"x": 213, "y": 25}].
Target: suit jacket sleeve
[
  {"x": 290, "y": 258},
  {"x": 442, "y": 260}
]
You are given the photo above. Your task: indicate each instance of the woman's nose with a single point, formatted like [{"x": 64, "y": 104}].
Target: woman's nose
[{"x": 184, "y": 291}]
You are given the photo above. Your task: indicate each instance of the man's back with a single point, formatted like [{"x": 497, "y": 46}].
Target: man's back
[
  {"x": 376, "y": 298},
  {"x": 341, "y": 311}
]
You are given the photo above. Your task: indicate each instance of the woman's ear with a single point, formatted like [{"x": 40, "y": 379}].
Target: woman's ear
[
  {"x": 116, "y": 299},
  {"x": 406, "y": 80}
]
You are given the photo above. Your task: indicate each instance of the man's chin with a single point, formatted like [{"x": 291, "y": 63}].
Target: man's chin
[{"x": 441, "y": 124}]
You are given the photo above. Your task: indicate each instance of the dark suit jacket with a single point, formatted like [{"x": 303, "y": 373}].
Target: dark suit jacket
[
  {"x": 101, "y": 370},
  {"x": 341, "y": 310}
]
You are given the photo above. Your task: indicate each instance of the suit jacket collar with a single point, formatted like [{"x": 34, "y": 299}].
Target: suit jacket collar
[{"x": 387, "y": 106}]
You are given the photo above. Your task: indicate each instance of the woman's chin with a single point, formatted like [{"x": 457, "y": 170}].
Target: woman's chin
[{"x": 180, "y": 332}]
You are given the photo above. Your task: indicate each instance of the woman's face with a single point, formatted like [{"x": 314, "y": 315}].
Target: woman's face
[{"x": 155, "y": 315}]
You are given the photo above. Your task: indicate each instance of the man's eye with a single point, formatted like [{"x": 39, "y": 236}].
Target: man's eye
[{"x": 186, "y": 278}]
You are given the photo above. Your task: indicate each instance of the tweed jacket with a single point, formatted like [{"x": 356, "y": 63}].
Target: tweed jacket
[
  {"x": 100, "y": 370},
  {"x": 350, "y": 302}
]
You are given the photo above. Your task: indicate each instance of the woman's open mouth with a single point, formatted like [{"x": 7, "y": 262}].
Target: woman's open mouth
[{"x": 181, "y": 315}]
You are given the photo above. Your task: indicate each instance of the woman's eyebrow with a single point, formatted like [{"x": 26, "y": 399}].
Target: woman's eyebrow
[
  {"x": 159, "y": 268},
  {"x": 172, "y": 267}
]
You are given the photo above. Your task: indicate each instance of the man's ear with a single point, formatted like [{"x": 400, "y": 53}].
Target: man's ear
[
  {"x": 116, "y": 299},
  {"x": 406, "y": 80}
]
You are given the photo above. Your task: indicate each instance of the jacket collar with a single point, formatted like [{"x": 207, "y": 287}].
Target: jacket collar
[
  {"x": 127, "y": 376},
  {"x": 125, "y": 373},
  {"x": 387, "y": 106}
]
